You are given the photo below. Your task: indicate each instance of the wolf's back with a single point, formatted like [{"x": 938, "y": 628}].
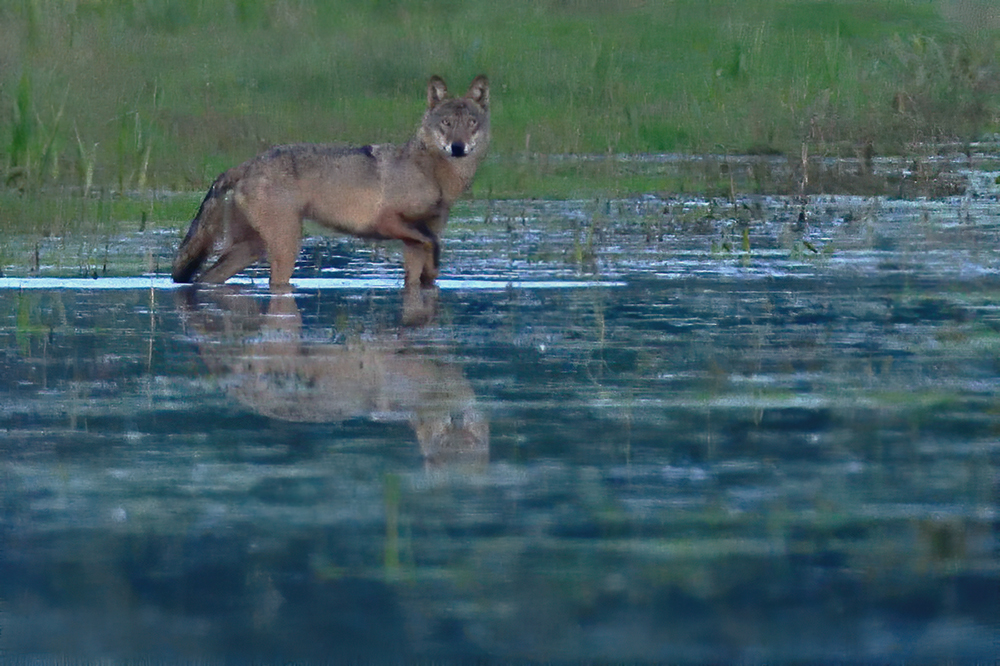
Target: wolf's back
[{"x": 204, "y": 230}]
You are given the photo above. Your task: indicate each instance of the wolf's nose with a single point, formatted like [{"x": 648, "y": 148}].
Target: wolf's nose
[{"x": 458, "y": 149}]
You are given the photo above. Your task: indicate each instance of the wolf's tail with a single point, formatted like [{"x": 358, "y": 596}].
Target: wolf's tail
[{"x": 206, "y": 227}]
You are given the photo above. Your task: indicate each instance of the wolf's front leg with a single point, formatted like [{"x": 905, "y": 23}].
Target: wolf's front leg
[
  {"x": 418, "y": 264},
  {"x": 432, "y": 256},
  {"x": 420, "y": 246}
]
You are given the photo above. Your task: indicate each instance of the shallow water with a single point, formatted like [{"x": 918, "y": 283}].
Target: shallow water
[{"x": 645, "y": 429}]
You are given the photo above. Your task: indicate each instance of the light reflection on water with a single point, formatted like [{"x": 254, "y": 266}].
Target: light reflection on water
[{"x": 773, "y": 445}]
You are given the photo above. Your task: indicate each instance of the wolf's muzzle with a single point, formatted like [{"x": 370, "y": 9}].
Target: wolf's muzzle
[{"x": 459, "y": 149}]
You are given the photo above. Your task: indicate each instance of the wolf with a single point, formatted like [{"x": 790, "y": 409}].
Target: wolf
[{"x": 385, "y": 191}]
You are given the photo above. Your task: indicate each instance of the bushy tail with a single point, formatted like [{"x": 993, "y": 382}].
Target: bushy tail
[{"x": 205, "y": 229}]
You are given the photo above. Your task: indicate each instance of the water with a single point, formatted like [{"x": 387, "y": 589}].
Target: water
[{"x": 659, "y": 430}]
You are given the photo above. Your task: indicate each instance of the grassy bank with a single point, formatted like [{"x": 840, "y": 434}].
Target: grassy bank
[{"x": 136, "y": 94}]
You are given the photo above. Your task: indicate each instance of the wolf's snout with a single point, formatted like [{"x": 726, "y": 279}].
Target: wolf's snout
[{"x": 459, "y": 149}]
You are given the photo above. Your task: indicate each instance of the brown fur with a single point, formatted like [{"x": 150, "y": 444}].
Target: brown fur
[{"x": 383, "y": 191}]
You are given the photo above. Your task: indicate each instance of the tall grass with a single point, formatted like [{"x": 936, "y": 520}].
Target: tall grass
[{"x": 167, "y": 93}]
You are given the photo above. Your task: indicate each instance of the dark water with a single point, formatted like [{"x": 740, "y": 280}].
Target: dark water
[{"x": 770, "y": 434}]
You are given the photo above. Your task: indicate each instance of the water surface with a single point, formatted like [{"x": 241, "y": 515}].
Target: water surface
[{"x": 647, "y": 429}]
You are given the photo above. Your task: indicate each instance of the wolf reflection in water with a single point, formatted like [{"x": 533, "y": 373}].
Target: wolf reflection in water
[{"x": 264, "y": 361}]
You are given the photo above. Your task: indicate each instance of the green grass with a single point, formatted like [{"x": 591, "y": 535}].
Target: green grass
[
  {"x": 61, "y": 213},
  {"x": 165, "y": 94}
]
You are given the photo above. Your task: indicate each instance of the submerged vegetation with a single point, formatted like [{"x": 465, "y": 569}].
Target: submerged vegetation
[{"x": 104, "y": 97}]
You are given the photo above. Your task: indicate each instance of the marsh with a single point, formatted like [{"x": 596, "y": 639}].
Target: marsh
[{"x": 700, "y": 430}]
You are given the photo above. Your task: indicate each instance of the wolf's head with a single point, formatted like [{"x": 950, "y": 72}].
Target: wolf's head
[{"x": 457, "y": 126}]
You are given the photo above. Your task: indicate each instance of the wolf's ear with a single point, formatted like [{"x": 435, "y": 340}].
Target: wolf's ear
[
  {"x": 436, "y": 91},
  {"x": 479, "y": 91}
]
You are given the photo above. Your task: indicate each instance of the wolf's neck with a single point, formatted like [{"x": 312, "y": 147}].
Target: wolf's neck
[{"x": 453, "y": 174}]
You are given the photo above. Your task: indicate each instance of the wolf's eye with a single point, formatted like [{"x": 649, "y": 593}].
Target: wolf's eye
[
  {"x": 473, "y": 122},
  {"x": 446, "y": 122}
]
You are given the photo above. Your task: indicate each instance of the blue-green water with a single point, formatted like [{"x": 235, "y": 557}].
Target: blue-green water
[{"x": 628, "y": 431}]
